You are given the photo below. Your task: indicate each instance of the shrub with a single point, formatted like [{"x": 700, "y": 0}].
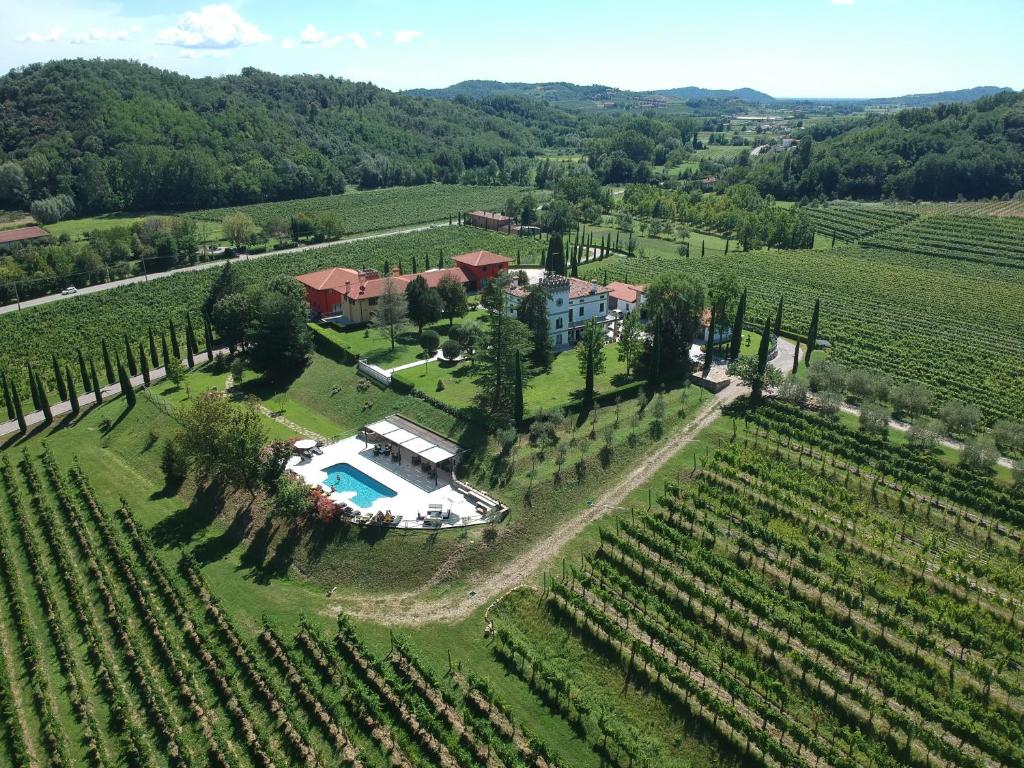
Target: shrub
[
  {"x": 960, "y": 418},
  {"x": 910, "y": 400},
  {"x": 440, "y": 386},
  {"x": 827, "y": 377},
  {"x": 292, "y": 499},
  {"x": 52, "y": 209},
  {"x": 451, "y": 349},
  {"x": 860, "y": 384},
  {"x": 1009, "y": 436},
  {"x": 874, "y": 418},
  {"x": 173, "y": 463},
  {"x": 979, "y": 454},
  {"x": 792, "y": 390},
  {"x": 430, "y": 341}
]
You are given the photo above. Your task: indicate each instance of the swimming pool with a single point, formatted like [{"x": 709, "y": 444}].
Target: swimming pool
[{"x": 344, "y": 478}]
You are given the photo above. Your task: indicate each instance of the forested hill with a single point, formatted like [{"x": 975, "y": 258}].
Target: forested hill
[
  {"x": 120, "y": 135},
  {"x": 936, "y": 153}
]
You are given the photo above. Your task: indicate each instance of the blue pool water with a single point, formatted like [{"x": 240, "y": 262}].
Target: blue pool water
[{"x": 345, "y": 478}]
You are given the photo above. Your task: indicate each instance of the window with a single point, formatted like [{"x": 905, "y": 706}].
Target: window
[
  {"x": 601, "y": 308},
  {"x": 558, "y": 322},
  {"x": 558, "y": 339},
  {"x": 558, "y": 302},
  {"x": 582, "y": 310},
  {"x": 570, "y": 314},
  {"x": 373, "y": 302}
]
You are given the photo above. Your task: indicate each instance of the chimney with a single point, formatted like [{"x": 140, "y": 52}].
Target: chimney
[
  {"x": 593, "y": 288},
  {"x": 396, "y": 272}
]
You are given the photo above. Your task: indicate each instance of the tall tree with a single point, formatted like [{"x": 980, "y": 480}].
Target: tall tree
[
  {"x": 107, "y": 365},
  {"x": 812, "y": 333},
  {"x": 392, "y": 311},
  {"x": 279, "y": 338},
  {"x": 83, "y": 370},
  {"x": 554, "y": 261},
  {"x": 228, "y": 281},
  {"x": 129, "y": 356},
  {"x": 72, "y": 394},
  {"x": 504, "y": 337},
  {"x": 8, "y": 402},
  {"x": 207, "y": 337},
  {"x": 777, "y": 330},
  {"x": 223, "y": 440},
  {"x": 58, "y": 380},
  {"x": 44, "y": 400},
  {"x": 762, "y": 361},
  {"x": 631, "y": 340},
  {"x": 737, "y": 327},
  {"x": 517, "y": 398},
  {"x": 796, "y": 358},
  {"x": 153, "y": 356},
  {"x": 424, "y": 303},
  {"x": 33, "y": 384},
  {"x": 532, "y": 311},
  {"x": 710, "y": 354},
  {"x": 97, "y": 390},
  {"x": 190, "y": 336},
  {"x": 19, "y": 414},
  {"x": 173, "y": 333},
  {"x": 166, "y": 356},
  {"x": 126, "y": 385},
  {"x": 674, "y": 305},
  {"x": 590, "y": 357},
  {"x": 454, "y": 302},
  {"x": 143, "y": 366}
]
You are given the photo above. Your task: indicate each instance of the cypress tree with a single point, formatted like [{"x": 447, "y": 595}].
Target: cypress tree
[
  {"x": 190, "y": 335},
  {"x": 174, "y": 337},
  {"x": 737, "y": 327},
  {"x": 19, "y": 414},
  {"x": 8, "y": 402},
  {"x": 107, "y": 365},
  {"x": 727, "y": 246},
  {"x": 191, "y": 358},
  {"x": 133, "y": 368},
  {"x": 517, "y": 401},
  {"x": 757, "y": 388},
  {"x": 575, "y": 266},
  {"x": 778, "y": 318},
  {"x": 163, "y": 344},
  {"x": 152, "y": 346},
  {"x": 426, "y": 265},
  {"x": 796, "y": 358},
  {"x": 143, "y": 366},
  {"x": 72, "y": 394},
  {"x": 97, "y": 390},
  {"x": 83, "y": 370},
  {"x": 126, "y": 385},
  {"x": 711, "y": 341},
  {"x": 701, "y": 247},
  {"x": 58, "y": 378},
  {"x": 208, "y": 338},
  {"x": 44, "y": 400},
  {"x": 812, "y": 333},
  {"x": 33, "y": 384},
  {"x": 414, "y": 268},
  {"x": 656, "y": 357}
]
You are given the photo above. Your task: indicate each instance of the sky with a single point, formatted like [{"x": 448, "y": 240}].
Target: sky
[{"x": 787, "y": 48}]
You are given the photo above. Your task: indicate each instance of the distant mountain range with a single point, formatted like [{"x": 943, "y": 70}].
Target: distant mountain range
[{"x": 598, "y": 97}]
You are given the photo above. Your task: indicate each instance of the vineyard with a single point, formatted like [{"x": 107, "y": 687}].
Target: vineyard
[
  {"x": 380, "y": 208},
  {"x": 811, "y": 596},
  {"x": 900, "y": 315},
  {"x": 63, "y": 327},
  {"x": 126, "y": 661},
  {"x": 853, "y": 222},
  {"x": 971, "y": 238},
  {"x": 1013, "y": 208}
]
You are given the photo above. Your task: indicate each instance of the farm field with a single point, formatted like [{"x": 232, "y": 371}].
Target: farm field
[
  {"x": 378, "y": 208},
  {"x": 1011, "y": 208},
  {"x": 62, "y": 327},
  {"x": 852, "y": 222},
  {"x": 970, "y": 238},
  {"x": 905, "y": 316}
]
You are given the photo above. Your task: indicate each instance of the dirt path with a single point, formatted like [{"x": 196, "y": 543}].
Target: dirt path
[{"x": 413, "y": 609}]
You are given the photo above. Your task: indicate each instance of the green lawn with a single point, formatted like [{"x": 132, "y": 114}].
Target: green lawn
[
  {"x": 558, "y": 387},
  {"x": 76, "y": 228},
  {"x": 374, "y": 345}
]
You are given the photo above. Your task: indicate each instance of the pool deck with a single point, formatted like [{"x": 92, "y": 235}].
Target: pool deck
[{"x": 411, "y": 498}]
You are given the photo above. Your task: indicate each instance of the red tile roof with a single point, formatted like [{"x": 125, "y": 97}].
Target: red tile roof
[
  {"x": 625, "y": 291},
  {"x": 329, "y": 279},
  {"x": 22, "y": 233},
  {"x": 577, "y": 288},
  {"x": 580, "y": 288},
  {"x": 489, "y": 215},
  {"x": 480, "y": 258},
  {"x": 374, "y": 288}
]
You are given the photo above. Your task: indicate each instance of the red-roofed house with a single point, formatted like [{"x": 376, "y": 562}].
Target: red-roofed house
[
  {"x": 625, "y": 297},
  {"x": 8, "y": 237},
  {"x": 481, "y": 266},
  {"x": 325, "y": 289}
]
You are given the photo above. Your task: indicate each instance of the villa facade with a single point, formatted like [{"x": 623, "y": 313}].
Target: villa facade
[{"x": 571, "y": 303}]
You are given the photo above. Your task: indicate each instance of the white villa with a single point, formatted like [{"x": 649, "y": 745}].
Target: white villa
[{"x": 571, "y": 303}]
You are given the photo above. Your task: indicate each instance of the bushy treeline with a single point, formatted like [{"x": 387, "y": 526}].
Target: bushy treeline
[
  {"x": 742, "y": 212},
  {"x": 119, "y": 135},
  {"x": 943, "y": 152}
]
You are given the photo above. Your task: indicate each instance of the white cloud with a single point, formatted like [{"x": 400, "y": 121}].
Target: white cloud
[
  {"x": 50, "y": 36},
  {"x": 288, "y": 43},
  {"x": 404, "y": 36},
  {"x": 97, "y": 34},
  {"x": 311, "y": 35},
  {"x": 214, "y": 27},
  {"x": 378, "y": 33},
  {"x": 203, "y": 53}
]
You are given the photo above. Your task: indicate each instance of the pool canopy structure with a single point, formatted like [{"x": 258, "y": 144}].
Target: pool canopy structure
[{"x": 422, "y": 442}]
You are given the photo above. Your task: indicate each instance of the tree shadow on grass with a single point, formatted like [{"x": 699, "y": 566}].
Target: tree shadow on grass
[
  {"x": 187, "y": 523},
  {"x": 277, "y": 566},
  {"x": 219, "y": 547}
]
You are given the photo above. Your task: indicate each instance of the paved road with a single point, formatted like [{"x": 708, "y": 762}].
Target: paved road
[{"x": 218, "y": 262}]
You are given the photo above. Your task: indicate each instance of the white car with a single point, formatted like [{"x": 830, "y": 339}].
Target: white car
[{"x": 69, "y": 291}]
